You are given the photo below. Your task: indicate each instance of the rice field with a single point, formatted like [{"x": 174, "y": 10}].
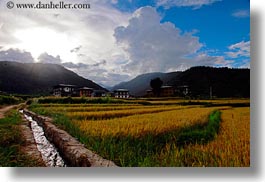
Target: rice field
[
  {"x": 139, "y": 125},
  {"x": 166, "y": 134}
]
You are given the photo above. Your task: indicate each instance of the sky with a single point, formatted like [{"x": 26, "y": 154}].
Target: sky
[{"x": 115, "y": 40}]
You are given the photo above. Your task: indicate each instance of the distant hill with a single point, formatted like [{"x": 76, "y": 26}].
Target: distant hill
[
  {"x": 223, "y": 82},
  {"x": 38, "y": 78},
  {"x": 141, "y": 83}
]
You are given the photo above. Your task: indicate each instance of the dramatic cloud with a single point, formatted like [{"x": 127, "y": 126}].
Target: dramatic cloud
[
  {"x": 241, "y": 13},
  {"x": 241, "y": 49},
  {"x": 46, "y": 58},
  {"x": 16, "y": 55},
  {"x": 154, "y": 46},
  {"x": 102, "y": 43},
  {"x": 80, "y": 39},
  {"x": 68, "y": 33},
  {"x": 195, "y": 4}
]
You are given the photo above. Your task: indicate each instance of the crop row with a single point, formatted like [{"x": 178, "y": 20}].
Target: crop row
[
  {"x": 99, "y": 115},
  {"x": 139, "y": 125},
  {"x": 92, "y": 108},
  {"x": 84, "y": 105}
]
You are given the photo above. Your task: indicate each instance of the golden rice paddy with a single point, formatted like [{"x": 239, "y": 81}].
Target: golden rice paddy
[{"x": 145, "y": 135}]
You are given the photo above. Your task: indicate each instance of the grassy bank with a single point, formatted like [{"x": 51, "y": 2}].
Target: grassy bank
[{"x": 11, "y": 141}]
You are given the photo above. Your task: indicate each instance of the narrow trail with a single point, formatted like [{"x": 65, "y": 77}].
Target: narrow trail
[{"x": 5, "y": 109}]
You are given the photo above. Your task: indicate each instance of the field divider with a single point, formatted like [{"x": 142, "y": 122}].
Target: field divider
[
  {"x": 201, "y": 134},
  {"x": 117, "y": 113},
  {"x": 72, "y": 151}
]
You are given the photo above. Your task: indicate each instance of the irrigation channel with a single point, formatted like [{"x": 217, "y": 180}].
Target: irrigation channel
[{"x": 49, "y": 153}]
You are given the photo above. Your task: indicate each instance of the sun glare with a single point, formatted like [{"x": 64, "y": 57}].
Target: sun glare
[{"x": 40, "y": 40}]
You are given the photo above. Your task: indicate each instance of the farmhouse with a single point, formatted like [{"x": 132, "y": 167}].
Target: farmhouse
[
  {"x": 165, "y": 91},
  {"x": 64, "y": 90},
  {"x": 121, "y": 93},
  {"x": 85, "y": 92}
]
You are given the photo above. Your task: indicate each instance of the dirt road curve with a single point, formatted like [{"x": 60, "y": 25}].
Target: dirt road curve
[{"x": 3, "y": 110}]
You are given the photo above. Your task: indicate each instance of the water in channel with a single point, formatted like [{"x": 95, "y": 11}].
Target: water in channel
[{"x": 49, "y": 153}]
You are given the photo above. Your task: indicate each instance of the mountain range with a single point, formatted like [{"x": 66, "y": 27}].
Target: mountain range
[{"x": 38, "y": 78}]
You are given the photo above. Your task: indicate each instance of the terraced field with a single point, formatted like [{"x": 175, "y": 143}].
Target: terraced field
[{"x": 167, "y": 134}]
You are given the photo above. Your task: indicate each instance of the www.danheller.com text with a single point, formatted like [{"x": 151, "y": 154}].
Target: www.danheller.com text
[{"x": 47, "y": 5}]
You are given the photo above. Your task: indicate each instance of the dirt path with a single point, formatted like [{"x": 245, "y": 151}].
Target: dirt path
[{"x": 4, "y": 109}]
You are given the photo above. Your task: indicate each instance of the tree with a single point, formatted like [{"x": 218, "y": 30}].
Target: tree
[{"x": 156, "y": 85}]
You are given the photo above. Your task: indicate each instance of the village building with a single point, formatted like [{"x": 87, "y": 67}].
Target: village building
[
  {"x": 85, "y": 92},
  {"x": 65, "y": 90},
  {"x": 165, "y": 91},
  {"x": 121, "y": 93}
]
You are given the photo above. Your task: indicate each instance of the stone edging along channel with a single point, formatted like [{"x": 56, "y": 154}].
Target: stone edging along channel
[{"x": 72, "y": 151}]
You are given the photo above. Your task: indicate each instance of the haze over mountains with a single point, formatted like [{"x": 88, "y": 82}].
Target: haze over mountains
[{"x": 38, "y": 78}]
